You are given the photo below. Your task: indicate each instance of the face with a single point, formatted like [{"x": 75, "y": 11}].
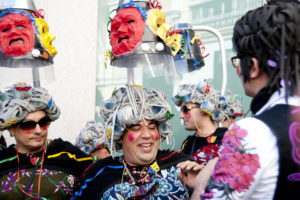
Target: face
[
  {"x": 45, "y": 36},
  {"x": 192, "y": 115},
  {"x": 31, "y": 140},
  {"x": 100, "y": 153},
  {"x": 140, "y": 143},
  {"x": 127, "y": 29},
  {"x": 16, "y": 34}
]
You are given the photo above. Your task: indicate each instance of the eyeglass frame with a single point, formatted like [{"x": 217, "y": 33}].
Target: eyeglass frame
[
  {"x": 185, "y": 109},
  {"x": 235, "y": 58}
]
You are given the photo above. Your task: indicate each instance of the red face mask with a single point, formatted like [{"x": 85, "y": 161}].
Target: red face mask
[
  {"x": 16, "y": 34},
  {"x": 127, "y": 29}
]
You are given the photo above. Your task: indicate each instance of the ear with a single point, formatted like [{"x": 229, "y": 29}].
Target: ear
[
  {"x": 11, "y": 132},
  {"x": 254, "y": 70}
]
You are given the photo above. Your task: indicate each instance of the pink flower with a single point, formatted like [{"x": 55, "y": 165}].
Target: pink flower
[
  {"x": 233, "y": 136},
  {"x": 237, "y": 170}
]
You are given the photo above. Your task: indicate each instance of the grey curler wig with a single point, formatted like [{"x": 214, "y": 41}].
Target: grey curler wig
[
  {"x": 210, "y": 100},
  {"x": 20, "y": 100},
  {"x": 131, "y": 104},
  {"x": 234, "y": 106},
  {"x": 91, "y": 137}
]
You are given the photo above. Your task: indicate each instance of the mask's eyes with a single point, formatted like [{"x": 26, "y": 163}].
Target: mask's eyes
[
  {"x": 5, "y": 30},
  {"x": 20, "y": 26},
  {"x": 130, "y": 21}
]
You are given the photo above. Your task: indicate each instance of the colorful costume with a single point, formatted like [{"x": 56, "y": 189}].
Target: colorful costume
[
  {"x": 61, "y": 171},
  {"x": 203, "y": 149},
  {"x": 106, "y": 180},
  {"x": 247, "y": 162}
]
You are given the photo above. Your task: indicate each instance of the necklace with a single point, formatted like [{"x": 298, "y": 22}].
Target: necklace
[
  {"x": 136, "y": 177},
  {"x": 40, "y": 175}
]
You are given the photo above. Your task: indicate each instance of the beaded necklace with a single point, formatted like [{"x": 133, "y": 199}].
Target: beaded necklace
[
  {"x": 40, "y": 175},
  {"x": 137, "y": 177}
]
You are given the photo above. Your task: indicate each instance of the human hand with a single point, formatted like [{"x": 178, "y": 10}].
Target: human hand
[
  {"x": 202, "y": 178},
  {"x": 189, "y": 172}
]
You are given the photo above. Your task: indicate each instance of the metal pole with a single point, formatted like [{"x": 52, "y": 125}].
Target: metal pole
[
  {"x": 222, "y": 49},
  {"x": 130, "y": 75},
  {"x": 36, "y": 77}
]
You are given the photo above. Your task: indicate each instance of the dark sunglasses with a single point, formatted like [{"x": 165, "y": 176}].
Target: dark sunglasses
[
  {"x": 30, "y": 125},
  {"x": 185, "y": 108}
]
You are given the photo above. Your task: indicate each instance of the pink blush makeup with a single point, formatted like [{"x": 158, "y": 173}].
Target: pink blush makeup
[
  {"x": 156, "y": 135},
  {"x": 131, "y": 137},
  {"x": 188, "y": 115}
]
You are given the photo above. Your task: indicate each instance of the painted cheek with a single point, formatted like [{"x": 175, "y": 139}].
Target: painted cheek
[
  {"x": 28, "y": 131},
  {"x": 44, "y": 128},
  {"x": 188, "y": 115},
  {"x": 131, "y": 137},
  {"x": 156, "y": 134}
]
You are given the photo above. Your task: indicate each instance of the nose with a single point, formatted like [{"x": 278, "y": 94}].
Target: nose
[
  {"x": 146, "y": 132},
  {"x": 37, "y": 129},
  {"x": 51, "y": 36},
  {"x": 123, "y": 28},
  {"x": 182, "y": 115}
]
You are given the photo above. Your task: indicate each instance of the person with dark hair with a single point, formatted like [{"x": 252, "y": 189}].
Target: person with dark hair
[
  {"x": 136, "y": 123},
  {"x": 260, "y": 157},
  {"x": 36, "y": 167}
]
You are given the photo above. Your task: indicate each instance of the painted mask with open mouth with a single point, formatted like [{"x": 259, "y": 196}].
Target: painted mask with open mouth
[
  {"x": 16, "y": 34},
  {"x": 127, "y": 29}
]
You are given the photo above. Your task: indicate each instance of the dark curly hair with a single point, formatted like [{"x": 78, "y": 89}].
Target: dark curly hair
[{"x": 271, "y": 34}]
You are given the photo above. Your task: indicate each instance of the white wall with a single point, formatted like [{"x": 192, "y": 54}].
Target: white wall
[{"x": 74, "y": 22}]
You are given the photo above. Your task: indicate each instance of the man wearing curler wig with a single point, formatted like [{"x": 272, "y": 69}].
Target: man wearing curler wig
[
  {"x": 136, "y": 124},
  {"x": 36, "y": 167}
]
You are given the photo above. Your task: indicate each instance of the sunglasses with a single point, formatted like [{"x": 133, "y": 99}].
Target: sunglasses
[
  {"x": 186, "y": 108},
  {"x": 30, "y": 125}
]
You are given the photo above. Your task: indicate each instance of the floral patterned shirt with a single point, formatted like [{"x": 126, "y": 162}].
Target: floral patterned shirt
[{"x": 248, "y": 166}]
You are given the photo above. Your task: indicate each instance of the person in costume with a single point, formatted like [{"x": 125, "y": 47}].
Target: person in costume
[
  {"x": 136, "y": 124},
  {"x": 3, "y": 144},
  {"x": 234, "y": 108},
  {"x": 35, "y": 167},
  {"x": 260, "y": 154},
  {"x": 91, "y": 140},
  {"x": 202, "y": 109}
]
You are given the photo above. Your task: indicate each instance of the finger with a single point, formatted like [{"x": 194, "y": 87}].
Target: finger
[
  {"x": 182, "y": 177},
  {"x": 198, "y": 167}
]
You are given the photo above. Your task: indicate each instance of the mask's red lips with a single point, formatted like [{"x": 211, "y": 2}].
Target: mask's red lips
[
  {"x": 123, "y": 38},
  {"x": 16, "y": 40}
]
